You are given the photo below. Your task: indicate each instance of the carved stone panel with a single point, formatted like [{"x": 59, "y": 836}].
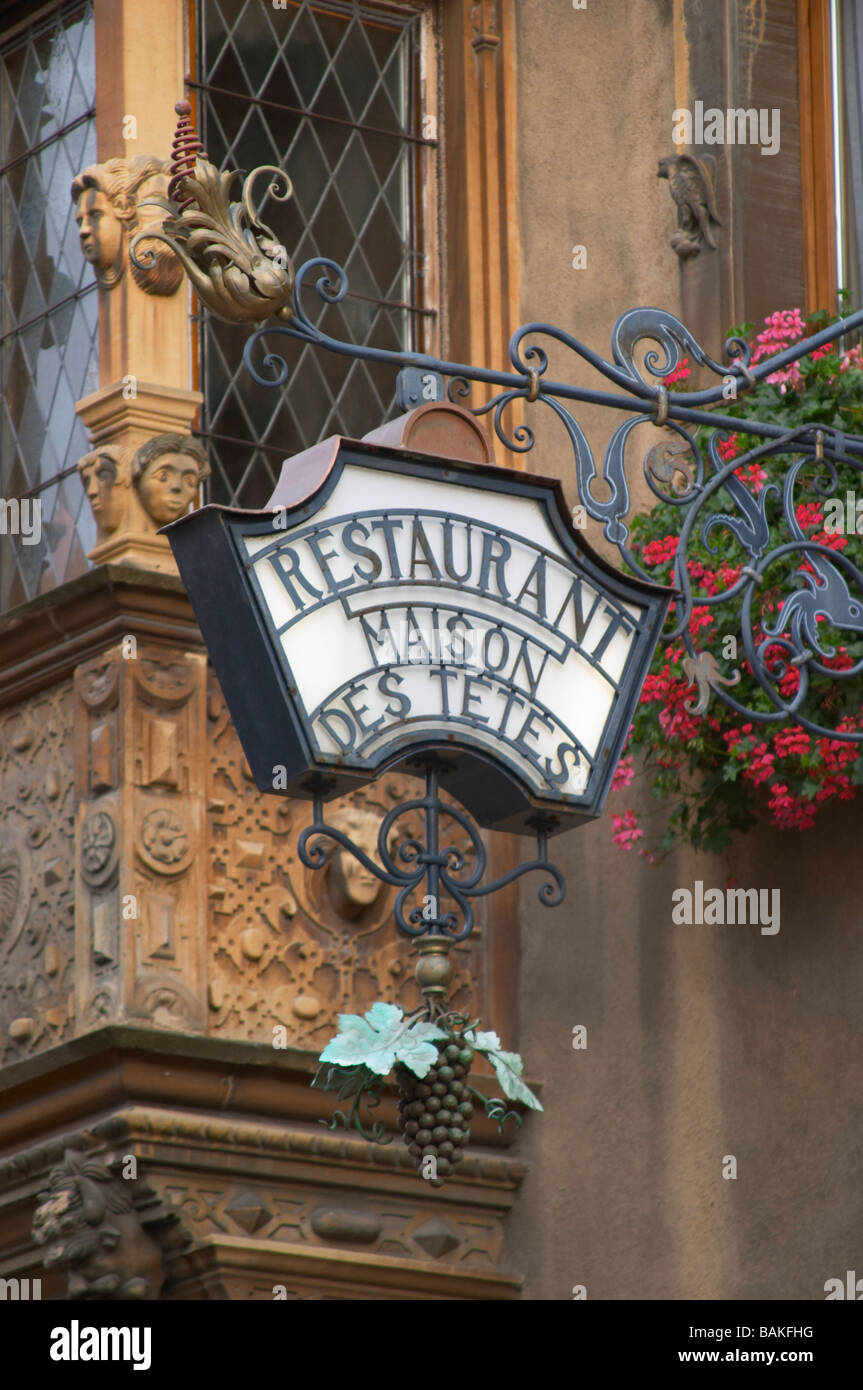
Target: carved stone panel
[
  {"x": 291, "y": 947},
  {"x": 167, "y": 757},
  {"x": 37, "y": 920},
  {"x": 140, "y": 756}
]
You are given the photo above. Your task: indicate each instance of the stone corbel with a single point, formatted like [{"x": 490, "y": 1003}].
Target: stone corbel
[
  {"x": 143, "y": 471},
  {"x": 108, "y": 1231}
]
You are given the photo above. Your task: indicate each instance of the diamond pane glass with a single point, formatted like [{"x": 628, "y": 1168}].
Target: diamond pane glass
[
  {"x": 48, "y": 303},
  {"x": 327, "y": 91}
]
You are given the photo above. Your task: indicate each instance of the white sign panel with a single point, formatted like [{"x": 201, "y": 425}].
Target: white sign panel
[
  {"x": 411, "y": 608},
  {"x": 428, "y": 620}
]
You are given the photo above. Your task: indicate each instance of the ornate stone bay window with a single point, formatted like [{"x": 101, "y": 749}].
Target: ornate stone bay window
[{"x": 157, "y": 926}]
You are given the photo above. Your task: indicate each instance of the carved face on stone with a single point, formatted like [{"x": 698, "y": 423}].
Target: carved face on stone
[
  {"x": 88, "y": 1226},
  {"x": 119, "y": 1261},
  {"x": 100, "y": 231},
  {"x": 100, "y": 473},
  {"x": 168, "y": 485},
  {"x": 113, "y": 201},
  {"x": 352, "y": 887}
]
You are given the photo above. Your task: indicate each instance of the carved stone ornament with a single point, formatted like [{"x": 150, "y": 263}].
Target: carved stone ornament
[
  {"x": 106, "y": 478},
  {"x": 164, "y": 841},
  {"x": 14, "y": 887},
  {"x": 166, "y": 472},
  {"x": 291, "y": 948},
  {"x": 90, "y": 1223},
  {"x": 485, "y": 23},
  {"x": 133, "y": 494},
  {"x": 112, "y": 206},
  {"x": 350, "y": 886},
  {"x": 691, "y": 181},
  {"x": 37, "y": 875},
  {"x": 96, "y": 681},
  {"x": 98, "y": 848}
]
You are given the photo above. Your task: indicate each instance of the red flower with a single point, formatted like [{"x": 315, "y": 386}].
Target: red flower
[
  {"x": 623, "y": 775},
  {"x": 729, "y": 448},
  {"x": 681, "y": 372},
  {"x": 625, "y": 829},
  {"x": 660, "y": 552}
]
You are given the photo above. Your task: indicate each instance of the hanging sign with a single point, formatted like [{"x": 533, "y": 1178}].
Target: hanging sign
[{"x": 389, "y": 603}]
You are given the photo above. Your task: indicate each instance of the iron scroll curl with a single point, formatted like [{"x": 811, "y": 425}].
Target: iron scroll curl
[{"x": 409, "y": 862}]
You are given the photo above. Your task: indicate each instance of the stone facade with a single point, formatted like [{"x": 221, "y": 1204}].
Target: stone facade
[{"x": 156, "y": 925}]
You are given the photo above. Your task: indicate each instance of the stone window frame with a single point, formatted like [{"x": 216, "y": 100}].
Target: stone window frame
[{"x": 815, "y": 85}]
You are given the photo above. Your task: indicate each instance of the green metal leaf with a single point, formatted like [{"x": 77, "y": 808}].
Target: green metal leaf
[
  {"x": 508, "y": 1067},
  {"x": 346, "y": 1080},
  {"x": 382, "y": 1036}
]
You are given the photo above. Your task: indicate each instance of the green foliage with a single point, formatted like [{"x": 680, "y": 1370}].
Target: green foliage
[
  {"x": 508, "y": 1068},
  {"x": 366, "y": 1049},
  {"x": 706, "y": 769},
  {"x": 381, "y": 1037}
]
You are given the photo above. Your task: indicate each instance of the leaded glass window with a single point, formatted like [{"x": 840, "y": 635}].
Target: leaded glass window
[
  {"x": 330, "y": 92},
  {"x": 48, "y": 301}
]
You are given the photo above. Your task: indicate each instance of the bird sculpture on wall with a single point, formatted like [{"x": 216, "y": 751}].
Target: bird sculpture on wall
[{"x": 691, "y": 182}]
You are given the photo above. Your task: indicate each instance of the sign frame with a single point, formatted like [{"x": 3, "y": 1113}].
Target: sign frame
[{"x": 259, "y": 684}]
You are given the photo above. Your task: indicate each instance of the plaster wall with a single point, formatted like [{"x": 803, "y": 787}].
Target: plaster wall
[{"x": 703, "y": 1041}]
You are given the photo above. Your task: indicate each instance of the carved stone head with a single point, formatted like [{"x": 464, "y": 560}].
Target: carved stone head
[
  {"x": 88, "y": 1223},
  {"x": 110, "y": 209},
  {"x": 352, "y": 887},
  {"x": 166, "y": 472},
  {"x": 105, "y": 475}
]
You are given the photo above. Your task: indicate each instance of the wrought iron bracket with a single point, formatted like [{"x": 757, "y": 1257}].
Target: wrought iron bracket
[
  {"x": 408, "y": 863},
  {"x": 244, "y": 274},
  {"x": 647, "y": 345}
]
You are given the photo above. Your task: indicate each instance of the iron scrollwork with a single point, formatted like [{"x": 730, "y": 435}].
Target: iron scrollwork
[
  {"x": 647, "y": 345},
  {"x": 444, "y": 871},
  {"x": 241, "y": 272}
]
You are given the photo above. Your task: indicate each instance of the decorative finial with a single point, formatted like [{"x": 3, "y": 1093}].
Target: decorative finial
[
  {"x": 185, "y": 149},
  {"x": 434, "y": 967}
]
